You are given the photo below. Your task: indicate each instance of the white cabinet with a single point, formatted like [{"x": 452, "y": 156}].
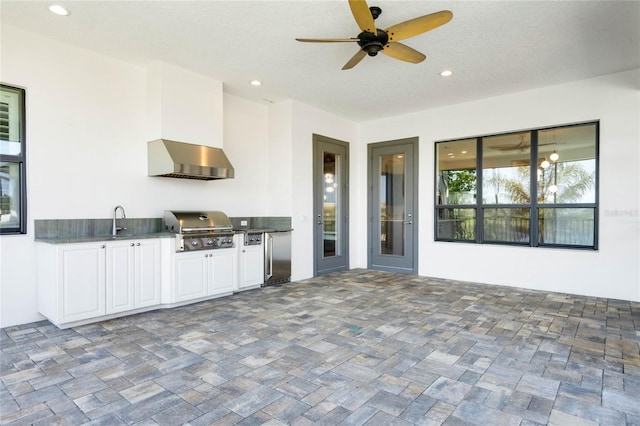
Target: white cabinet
[
  {"x": 192, "y": 275},
  {"x": 223, "y": 271},
  {"x": 71, "y": 281},
  {"x": 120, "y": 283},
  {"x": 147, "y": 273},
  {"x": 133, "y": 274},
  {"x": 87, "y": 282},
  {"x": 84, "y": 281},
  {"x": 251, "y": 266},
  {"x": 205, "y": 273}
]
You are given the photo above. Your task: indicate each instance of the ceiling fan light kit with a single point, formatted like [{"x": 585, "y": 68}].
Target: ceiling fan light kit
[{"x": 373, "y": 40}]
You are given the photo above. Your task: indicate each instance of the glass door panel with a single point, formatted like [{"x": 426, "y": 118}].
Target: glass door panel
[
  {"x": 330, "y": 207},
  {"x": 392, "y": 204}
]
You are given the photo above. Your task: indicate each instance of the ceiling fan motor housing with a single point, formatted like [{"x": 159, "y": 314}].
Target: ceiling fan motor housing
[{"x": 373, "y": 43}]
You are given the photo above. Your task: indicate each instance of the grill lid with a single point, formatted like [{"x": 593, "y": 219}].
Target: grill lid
[{"x": 195, "y": 221}]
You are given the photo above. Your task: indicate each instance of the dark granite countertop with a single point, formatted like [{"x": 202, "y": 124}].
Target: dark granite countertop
[
  {"x": 243, "y": 230},
  {"x": 68, "y": 231}
]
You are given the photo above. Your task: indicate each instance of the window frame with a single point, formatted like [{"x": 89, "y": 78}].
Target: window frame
[
  {"x": 20, "y": 160},
  {"x": 533, "y": 205}
]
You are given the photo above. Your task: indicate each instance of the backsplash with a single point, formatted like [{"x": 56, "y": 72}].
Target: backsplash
[
  {"x": 278, "y": 223},
  {"x": 74, "y": 228}
]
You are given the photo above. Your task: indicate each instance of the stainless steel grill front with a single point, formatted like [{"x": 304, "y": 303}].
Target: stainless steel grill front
[{"x": 207, "y": 230}]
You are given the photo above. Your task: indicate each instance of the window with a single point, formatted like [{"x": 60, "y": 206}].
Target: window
[
  {"x": 12, "y": 161},
  {"x": 535, "y": 188}
]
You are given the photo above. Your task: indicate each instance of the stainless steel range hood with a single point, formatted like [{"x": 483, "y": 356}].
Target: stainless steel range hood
[{"x": 187, "y": 161}]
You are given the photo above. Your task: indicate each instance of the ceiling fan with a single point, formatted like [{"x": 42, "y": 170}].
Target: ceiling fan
[{"x": 373, "y": 40}]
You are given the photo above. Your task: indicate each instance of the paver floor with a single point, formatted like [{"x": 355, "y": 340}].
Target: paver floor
[{"x": 356, "y": 347}]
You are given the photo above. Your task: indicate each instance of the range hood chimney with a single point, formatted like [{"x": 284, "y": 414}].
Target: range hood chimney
[{"x": 187, "y": 161}]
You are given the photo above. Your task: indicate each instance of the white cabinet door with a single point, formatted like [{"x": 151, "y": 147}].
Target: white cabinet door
[
  {"x": 120, "y": 284},
  {"x": 133, "y": 274},
  {"x": 192, "y": 275},
  {"x": 147, "y": 273},
  {"x": 81, "y": 281},
  {"x": 251, "y": 266},
  {"x": 223, "y": 264}
]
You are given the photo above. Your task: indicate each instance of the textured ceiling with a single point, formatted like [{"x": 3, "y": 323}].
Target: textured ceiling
[{"x": 493, "y": 47}]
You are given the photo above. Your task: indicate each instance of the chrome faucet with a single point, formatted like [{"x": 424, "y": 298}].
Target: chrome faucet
[{"x": 117, "y": 228}]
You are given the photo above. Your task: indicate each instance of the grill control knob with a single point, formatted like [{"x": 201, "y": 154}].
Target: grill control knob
[
  {"x": 194, "y": 243},
  {"x": 209, "y": 242}
]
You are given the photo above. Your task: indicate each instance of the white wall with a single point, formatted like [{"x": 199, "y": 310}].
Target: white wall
[
  {"x": 183, "y": 106},
  {"x": 87, "y": 134},
  {"x": 246, "y": 143},
  {"x": 612, "y": 271}
]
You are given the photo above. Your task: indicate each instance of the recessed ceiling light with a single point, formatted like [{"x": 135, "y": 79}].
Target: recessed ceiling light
[
  {"x": 446, "y": 73},
  {"x": 58, "y": 10},
  {"x": 256, "y": 82}
]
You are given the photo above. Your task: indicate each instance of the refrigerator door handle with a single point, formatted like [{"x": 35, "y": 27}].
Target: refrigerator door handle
[{"x": 269, "y": 257}]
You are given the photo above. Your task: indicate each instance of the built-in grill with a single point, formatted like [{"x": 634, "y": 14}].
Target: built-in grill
[{"x": 199, "y": 230}]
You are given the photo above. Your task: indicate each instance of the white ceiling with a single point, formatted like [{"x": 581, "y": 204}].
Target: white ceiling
[{"x": 493, "y": 47}]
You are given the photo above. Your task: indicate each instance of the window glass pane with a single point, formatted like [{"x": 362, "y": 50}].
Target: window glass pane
[
  {"x": 505, "y": 169},
  {"x": 566, "y": 226},
  {"x": 392, "y": 204},
  {"x": 9, "y": 195},
  {"x": 568, "y": 171},
  {"x": 331, "y": 206},
  {"x": 506, "y": 225},
  {"x": 456, "y": 172},
  {"x": 456, "y": 224},
  {"x": 553, "y": 193},
  {"x": 10, "y": 121}
]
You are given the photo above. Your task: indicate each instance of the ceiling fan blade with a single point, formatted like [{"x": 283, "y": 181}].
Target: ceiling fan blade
[
  {"x": 327, "y": 40},
  {"x": 419, "y": 25},
  {"x": 403, "y": 52},
  {"x": 354, "y": 61},
  {"x": 362, "y": 15}
]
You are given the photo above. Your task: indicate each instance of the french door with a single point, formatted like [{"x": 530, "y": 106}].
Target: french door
[
  {"x": 330, "y": 205},
  {"x": 393, "y": 206}
]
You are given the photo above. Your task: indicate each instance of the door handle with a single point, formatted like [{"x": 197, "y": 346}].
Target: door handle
[{"x": 269, "y": 257}]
